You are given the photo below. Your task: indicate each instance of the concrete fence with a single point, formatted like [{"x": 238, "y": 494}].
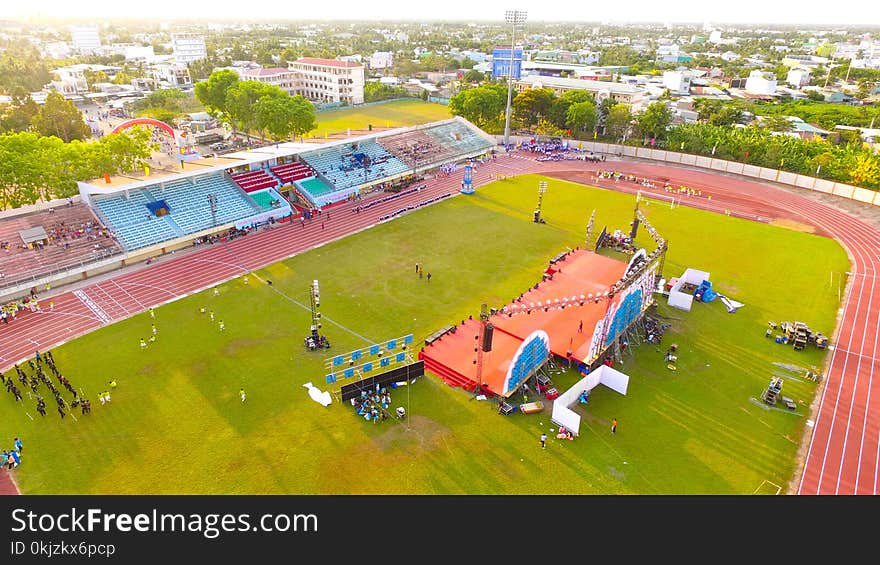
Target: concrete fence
[{"x": 704, "y": 162}]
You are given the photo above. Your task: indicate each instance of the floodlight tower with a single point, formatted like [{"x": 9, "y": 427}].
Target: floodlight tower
[
  {"x": 315, "y": 296},
  {"x": 514, "y": 18},
  {"x": 542, "y": 188}
]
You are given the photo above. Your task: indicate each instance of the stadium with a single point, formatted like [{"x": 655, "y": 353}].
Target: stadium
[{"x": 513, "y": 301}]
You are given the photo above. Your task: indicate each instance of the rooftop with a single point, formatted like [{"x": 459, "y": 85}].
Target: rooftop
[
  {"x": 327, "y": 62},
  {"x": 575, "y": 83}
]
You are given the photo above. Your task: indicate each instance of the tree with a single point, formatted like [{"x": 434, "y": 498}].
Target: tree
[
  {"x": 18, "y": 117},
  {"x": 283, "y": 116},
  {"x": 777, "y": 123},
  {"x": 59, "y": 117},
  {"x": 242, "y": 99},
  {"x": 558, "y": 112},
  {"x": 532, "y": 104},
  {"x": 866, "y": 171},
  {"x": 548, "y": 128},
  {"x": 22, "y": 70},
  {"x": 582, "y": 117},
  {"x": 214, "y": 92},
  {"x": 726, "y": 116},
  {"x": 654, "y": 120},
  {"x": 473, "y": 76},
  {"x": 375, "y": 91},
  {"x": 483, "y": 105},
  {"x": 617, "y": 122}
]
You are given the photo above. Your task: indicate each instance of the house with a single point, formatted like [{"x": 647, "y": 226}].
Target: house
[
  {"x": 381, "y": 60},
  {"x": 729, "y": 56},
  {"x": 678, "y": 82},
  {"x": 761, "y": 83},
  {"x": 798, "y": 77},
  {"x": 633, "y": 96}
]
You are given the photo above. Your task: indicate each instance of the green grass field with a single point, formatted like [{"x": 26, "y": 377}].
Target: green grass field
[
  {"x": 387, "y": 114},
  {"x": 176, "y": 424}
]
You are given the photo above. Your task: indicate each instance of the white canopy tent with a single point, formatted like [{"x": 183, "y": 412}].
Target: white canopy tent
[{"x": 563, "y": 415}]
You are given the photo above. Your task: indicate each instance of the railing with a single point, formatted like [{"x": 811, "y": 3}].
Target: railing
[
  {"x": 68, "y": 267},
  {"x": 733, "y": 167}
]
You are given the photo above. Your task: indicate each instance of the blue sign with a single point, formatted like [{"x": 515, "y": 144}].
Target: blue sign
[
  {"x": 408, "y": 339},
  {"x": 355, "y": 355},
  {"x": 501, "y": 63},
  {"x": 338, "y": 360},
  {"x": 385, "y": 362},
  {"x": 625, "y": 315},
  {"x": 374, "y": 350},
  {"x": 400, "y": 357},
  {"x": 368, "y": 367},
  {"x": 392, "y": 344},
  {"x": 331, "y": 378},
  {"x": 531, "y": 355},
  {"x": 348, "y": 373}
]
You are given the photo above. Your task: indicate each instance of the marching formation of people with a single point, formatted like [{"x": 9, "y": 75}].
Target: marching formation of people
[
  {"x": 618, "y": 176},
  {"x": 414, "y": 206},
  {"x": 396, "y": 195},
  {"x": 40, "y": 368}
]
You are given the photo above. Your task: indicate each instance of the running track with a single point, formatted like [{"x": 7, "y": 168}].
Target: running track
[{"x": 844, "y": 449}]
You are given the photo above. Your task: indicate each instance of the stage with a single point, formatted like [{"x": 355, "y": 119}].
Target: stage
[{"x": 570, "y": 305}]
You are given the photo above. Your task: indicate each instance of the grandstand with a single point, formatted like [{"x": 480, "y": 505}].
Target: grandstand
[
  {"x": 356, "y": 163},
  {"x": 189, "y": 210},
  {"x": 75, "y": 237},
  {"x": 437, "y": 143},
  {"x": 290, "y": 172},
  {"x": 254, "y": 180}
]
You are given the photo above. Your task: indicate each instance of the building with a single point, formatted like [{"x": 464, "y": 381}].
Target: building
[
  {"x": 631, "y": 95},
  {"x": 761, "y": 83},
  {"x": 678, "y": 82},
  {"x": 729, "y": 56},
  {"x": 139, "y": 53},
  {"x": 804, "y": 61},
  {"x": 329, "y": 80},
  {"x": 798, "y": 77},
  {"x": 188, "y": 47},
  {"x": 381, "y": 60},
  {"x": 85, "y": 39},
  {"x": 285, "y": 79},
  {"x": 71, "y": 80},
  {"x": 501, "y": 62},
  {"x": 668, "y": 53},
  {"x": 171, "y": 75}
]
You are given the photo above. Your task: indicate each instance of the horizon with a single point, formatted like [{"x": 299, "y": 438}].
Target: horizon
[{"x": 682, "y": 12}]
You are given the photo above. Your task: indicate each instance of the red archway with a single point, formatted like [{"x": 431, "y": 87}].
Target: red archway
[{"x": 145, "y": 122}]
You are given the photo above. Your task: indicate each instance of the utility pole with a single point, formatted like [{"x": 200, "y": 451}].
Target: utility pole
[{"x": 514, "y": 18}]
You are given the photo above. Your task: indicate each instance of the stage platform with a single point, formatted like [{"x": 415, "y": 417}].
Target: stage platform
[{"x": 581, "y": 272}]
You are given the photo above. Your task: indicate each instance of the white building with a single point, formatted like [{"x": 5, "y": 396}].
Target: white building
[
  {"x": 715, "y": 36},
  {"x": 631, "y": 95},
  {"x": 329, "y": 80},
  {"x": 761, "y": 83},
  {"x": 71, "y": 80},
  {"x": 668, "y": 53},
  {"x": 678, "y": 82},
  {"x": 729, "y": 56},
  {"x": 285, "y": 79},
  {"x": 85, "y": 39},
  {"x": 381, "y": 60},
  {"x": 188, "y": 47},
  {"x": 139, "y": 53},
  {"x": 798, "y": 77},
  {"x": 171, "y": 75},
  {"x": 56, "y": 50}
]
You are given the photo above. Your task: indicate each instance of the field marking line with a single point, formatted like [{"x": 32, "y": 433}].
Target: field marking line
[{"x": 765, "y": 481}]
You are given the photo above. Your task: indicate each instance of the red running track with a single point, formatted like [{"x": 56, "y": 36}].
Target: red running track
[{"x": 844, "y": 448}]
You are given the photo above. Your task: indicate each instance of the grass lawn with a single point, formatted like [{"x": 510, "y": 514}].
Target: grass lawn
[
  {"x": 176, "y": 423},
  {"x": 387, "y": 114}
]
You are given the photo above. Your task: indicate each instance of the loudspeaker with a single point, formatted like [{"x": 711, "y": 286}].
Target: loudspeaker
[
  {"x": 487, "y": 337},
  {"x": 635, "y": 229}
]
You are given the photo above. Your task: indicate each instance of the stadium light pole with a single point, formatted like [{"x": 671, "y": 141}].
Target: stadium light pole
[{"x": 514, "y": 18}]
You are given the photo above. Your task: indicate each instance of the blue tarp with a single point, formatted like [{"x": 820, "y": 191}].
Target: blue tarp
[{"x": 704, "y": 292}]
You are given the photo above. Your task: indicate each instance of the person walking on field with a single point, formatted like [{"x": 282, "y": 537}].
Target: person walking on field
[
  {"x": 429, "y": 277},
  {"x": 543, "y": 441},
  {"x": 614, "y": 425},
  {"x": 241, "y": 393}
]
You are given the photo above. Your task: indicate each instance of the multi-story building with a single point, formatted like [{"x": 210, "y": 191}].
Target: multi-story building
[
  {"x": 188, "y": 47},
  {"x": 71, "y": 80},
  {"x": 678, "y": 82},
  {"x": 328, "y": 80},
  {"x": 381, "y": 60},
  {"x": 171, "y": 74},
  {"x": 85, "y": 39},
  {"x": 798, "y": 77},
  {"x": 285, "y": 79}
]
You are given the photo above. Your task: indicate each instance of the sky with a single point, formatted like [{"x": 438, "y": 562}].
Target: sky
[{"x": 813, "y": 12}]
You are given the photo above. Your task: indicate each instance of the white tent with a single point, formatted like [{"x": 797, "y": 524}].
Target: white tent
[
  {"x": 684, "y": 300},
  {"x": 571, "y": 420}
]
